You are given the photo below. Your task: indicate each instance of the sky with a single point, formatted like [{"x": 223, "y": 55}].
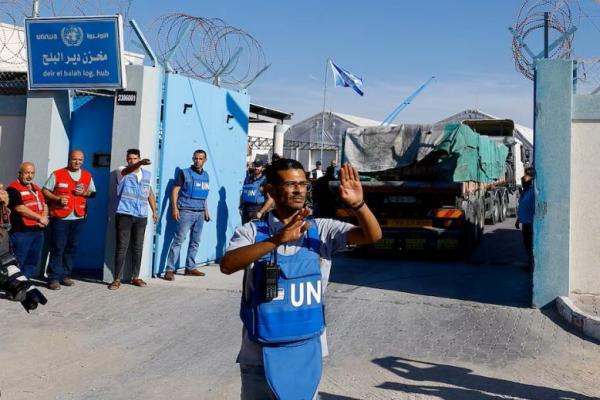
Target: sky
[{"x": 394, "y": 45}]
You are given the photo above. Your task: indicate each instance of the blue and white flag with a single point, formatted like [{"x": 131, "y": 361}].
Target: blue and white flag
[{"x": 344, "y": 78}]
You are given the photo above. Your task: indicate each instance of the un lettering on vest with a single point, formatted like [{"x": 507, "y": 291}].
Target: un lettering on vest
[
  {"x": 201, "y": 185},
  {"x": 250, "y": 193},
  {"x": 304, "y": 293}
]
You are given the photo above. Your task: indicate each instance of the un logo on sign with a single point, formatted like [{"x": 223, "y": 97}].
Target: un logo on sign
[{"x": 72, "y": 35}]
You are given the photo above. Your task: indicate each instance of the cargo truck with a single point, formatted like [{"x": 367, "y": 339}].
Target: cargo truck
[{"x": 433, "y": 187}]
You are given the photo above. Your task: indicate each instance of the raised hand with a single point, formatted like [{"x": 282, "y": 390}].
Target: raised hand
[
  {"x": 145, "y": 161},
  {"x": 295, "y": 229},
  {"x": 350, "y": 191}
]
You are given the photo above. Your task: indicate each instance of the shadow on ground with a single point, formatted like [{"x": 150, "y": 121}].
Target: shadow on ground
[
  {"x": 491, "y": 274},
  {"x": 329, "y": 396},
  {"x": 462, "y": 383}
]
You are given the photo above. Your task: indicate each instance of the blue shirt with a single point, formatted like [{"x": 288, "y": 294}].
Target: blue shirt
[{"x": 526, "y": 209}]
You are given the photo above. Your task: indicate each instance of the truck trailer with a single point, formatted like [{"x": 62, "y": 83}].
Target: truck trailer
[{"x": 433, "y": 187}]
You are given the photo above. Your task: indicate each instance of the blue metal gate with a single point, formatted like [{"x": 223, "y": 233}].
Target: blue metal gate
[
  {"x": 198, "y": 115},
  {"x": 91, "y": 131}
]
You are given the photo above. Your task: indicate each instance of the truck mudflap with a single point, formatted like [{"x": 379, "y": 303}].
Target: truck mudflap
[{"x": 420, "y": 239}]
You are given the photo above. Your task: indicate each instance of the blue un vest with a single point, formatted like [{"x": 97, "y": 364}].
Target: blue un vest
[
  {"x": 298, "y": 313},
  {"x": 289, "y": 327},
  {"x": 194, "y": 191},
  {"x": 251, "y": 190},
  {"x": 132, "y": 196}
]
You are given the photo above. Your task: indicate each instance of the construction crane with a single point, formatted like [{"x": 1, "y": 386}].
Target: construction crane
[{"x": 394, "y": 114}]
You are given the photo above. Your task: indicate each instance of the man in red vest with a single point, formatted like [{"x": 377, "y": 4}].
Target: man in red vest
[
  {"x": 28, "y": 219},
  {"x": 67, "y": 190}
]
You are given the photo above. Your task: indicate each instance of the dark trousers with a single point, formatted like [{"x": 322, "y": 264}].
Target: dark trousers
[
  {"x": 249, "y": 211},
  {"x": 528, "y": 242},
  {"x": 27, "y": 247},
  {"x": 64, "y": 239},
  {"x": 130, "y": 231}
]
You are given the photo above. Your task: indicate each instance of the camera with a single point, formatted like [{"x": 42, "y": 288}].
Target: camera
[{"x": 16, "y": 285}]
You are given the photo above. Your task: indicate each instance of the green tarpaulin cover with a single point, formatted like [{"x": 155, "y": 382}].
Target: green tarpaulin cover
[{"x": 470, "y": 156}]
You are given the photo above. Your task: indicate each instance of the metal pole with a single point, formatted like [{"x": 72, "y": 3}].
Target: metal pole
[
  {"x": 144, "y": 42},
  {"x": 323, "y": 115},
  {"x": 35, "y": 9},
  {"x": 546, "y": 27}
]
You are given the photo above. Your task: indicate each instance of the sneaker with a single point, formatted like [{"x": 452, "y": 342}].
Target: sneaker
[
  {"x": 169, "y": 276},
  {"x": 54, "y": 285},
  {"x": 67, "y": 282},
  {"x": 194, "y": 272}
]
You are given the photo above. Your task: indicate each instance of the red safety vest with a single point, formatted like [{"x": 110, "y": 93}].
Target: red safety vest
[
  {"x": 32, "y": 198},
  {"x": 64, "y": 185}
]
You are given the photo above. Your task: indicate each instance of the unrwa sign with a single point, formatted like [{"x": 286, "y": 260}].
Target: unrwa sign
[{"x": 75, "y": 53}]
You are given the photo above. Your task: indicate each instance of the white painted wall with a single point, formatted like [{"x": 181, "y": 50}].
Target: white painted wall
[
  {"x": 585, "y": 193},
  {"x": 12, "y": 130}
]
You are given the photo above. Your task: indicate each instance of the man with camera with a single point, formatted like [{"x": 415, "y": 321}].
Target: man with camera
[
  {"x": 16, "y": 285},
  {"x": 286, "y": 260}
]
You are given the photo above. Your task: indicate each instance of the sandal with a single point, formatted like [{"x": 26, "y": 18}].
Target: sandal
[
  {"x": 138, "y": 282},
  {"x": 114, "y": 285}
]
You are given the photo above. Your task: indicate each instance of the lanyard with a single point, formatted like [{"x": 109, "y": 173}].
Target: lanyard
[{"x": 35, "y": 194}]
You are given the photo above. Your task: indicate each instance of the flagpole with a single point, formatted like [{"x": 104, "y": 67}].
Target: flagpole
[{"x": 324, "y": 104}]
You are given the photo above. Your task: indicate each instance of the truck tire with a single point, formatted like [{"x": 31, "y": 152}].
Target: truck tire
[
  {"x": 503, "y": 207},
  {"x": 495, "y": 214},
  {"x": 480, "y": 219},
  {"x": 471, "y": 232}
]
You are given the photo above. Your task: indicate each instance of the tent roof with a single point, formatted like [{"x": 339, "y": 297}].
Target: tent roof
[
  {"x": 352, "y": 119},
  {"x": 358, "y": 121}
]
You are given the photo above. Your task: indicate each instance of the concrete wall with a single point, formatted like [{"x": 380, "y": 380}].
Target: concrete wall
[
  {"x": 134, "y": 127},
  {"x": 585, "y": 192},
  {"x": 12, "y": 131},
  {"x": 46, "y": 131},
  {"x": 552, "y": 225},
  {"x": 11, "y": 146},
  {"x": 566, "y": 231}
]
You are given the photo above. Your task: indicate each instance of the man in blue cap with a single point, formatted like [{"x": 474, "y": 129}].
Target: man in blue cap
[
  {"x": 286, "y": 259},
  {"x": 255, "y": 202}
]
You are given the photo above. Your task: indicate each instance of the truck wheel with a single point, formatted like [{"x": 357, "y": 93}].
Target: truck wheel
[
  {"x": 495, "y": 212},
  {"x": 503, "y": 207},
  {"x": 480, "y": 220}
]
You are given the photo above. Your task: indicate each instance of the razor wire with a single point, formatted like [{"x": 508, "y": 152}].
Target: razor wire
[
  {"x": 208, "y": 48},
  {"x": 531, "y": 19},
  {"x": 588, "y": 76}
]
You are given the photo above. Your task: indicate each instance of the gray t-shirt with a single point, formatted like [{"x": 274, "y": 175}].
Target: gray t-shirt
[{"x": 333, "y": 238}]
